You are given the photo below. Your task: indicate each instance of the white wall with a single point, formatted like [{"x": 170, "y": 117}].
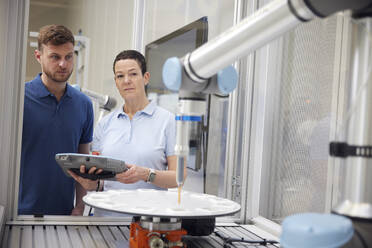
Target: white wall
[
  {"x": 109, "y": 25},
  {"x": 165, "y": 16}
]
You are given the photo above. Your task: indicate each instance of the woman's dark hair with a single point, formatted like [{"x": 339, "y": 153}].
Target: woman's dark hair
[{"x": 132, "y": 54}]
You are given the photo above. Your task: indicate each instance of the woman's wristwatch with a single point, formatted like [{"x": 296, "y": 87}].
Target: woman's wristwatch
[{"x": 151, "y": 176}]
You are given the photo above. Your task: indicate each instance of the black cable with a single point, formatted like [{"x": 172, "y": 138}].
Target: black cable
[
  {"x": 97, "y": 189},
  {"x": 223, "y": 96},
  {"x": 360, "y": 238},
  {"x": 228, "y": 241}
]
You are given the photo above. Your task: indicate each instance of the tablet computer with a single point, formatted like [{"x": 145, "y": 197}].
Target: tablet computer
[{"x": 73, "y": 161}]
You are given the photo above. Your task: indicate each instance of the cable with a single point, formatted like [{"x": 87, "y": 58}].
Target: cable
[
  {"x": 97, "y": 189},
  {"x": 227, "y": 241},
  {"x": 362, "y": 240}
]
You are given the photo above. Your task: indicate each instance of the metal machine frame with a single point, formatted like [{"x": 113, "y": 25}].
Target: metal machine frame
[{"x": 15, "y": 114}]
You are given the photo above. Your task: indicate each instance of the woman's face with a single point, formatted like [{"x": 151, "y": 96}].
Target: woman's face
[{"x": 129, "y": 79}]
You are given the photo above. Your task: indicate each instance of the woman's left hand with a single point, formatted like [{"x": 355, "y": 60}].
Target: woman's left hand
[
  {"x": 134, "y": 174},
  {"x": 87, "y": 184}
]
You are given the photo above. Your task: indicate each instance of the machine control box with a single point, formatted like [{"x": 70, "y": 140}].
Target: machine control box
[{"x": 73, "y": 161}]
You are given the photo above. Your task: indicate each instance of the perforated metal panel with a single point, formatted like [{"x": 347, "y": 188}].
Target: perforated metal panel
[{"x": 299, "y": 157}]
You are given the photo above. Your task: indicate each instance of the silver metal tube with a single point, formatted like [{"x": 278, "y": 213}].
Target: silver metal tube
[
  {"x": 357, "y": 198},
  {"x": 266, "y": 24},
  {"x": 186, "y": 108},
  {"x": 180, "y": 170},
  {"x": 182, "y": 138},
  {"x": 104, "y": 101},
  {"x": 100, "y": 99}
]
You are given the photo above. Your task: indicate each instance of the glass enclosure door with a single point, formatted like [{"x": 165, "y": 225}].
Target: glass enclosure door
[
  {"x": 296, "y": 87},
  {"x": 206, "y": 165},
  {"x": 296, "y": 179}
]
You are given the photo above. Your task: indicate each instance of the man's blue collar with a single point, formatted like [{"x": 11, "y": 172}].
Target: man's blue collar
[{"x": 42, "y": 91}]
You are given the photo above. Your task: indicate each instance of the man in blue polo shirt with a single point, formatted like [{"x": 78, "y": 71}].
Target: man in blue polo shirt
[{"x": 57, "y": 119}]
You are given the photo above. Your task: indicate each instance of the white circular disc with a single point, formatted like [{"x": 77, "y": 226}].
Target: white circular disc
[{"x": 159, "y": 203}]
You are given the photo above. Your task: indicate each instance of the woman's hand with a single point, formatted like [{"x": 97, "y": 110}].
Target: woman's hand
[
  {"x": 134, "y": 174},
  {"x": 87, "y": 184}
]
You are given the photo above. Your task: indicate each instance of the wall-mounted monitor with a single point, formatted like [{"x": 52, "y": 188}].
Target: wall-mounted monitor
[{"x": 175, "y": 44}]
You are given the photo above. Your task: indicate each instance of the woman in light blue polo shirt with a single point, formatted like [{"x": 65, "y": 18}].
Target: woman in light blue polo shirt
[{"x": 140, "y": 133}]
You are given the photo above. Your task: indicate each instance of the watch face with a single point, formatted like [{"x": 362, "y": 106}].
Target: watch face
[{"x": 152, "y": 176}]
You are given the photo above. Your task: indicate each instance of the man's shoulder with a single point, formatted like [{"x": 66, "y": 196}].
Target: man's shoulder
[
  {"x": 78, "y": 95},
  {"x": 28, "y": 86},
  {"x": 33, "y": 88},
  {"x": 31, "y": 84}
]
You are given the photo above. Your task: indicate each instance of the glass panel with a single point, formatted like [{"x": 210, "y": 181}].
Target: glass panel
[
  {"x": 297, "y": 174},
  {"x": 101, "y": 30},
  {"x": 162, "y": 18},
  {"x": 106, "y": 28}
]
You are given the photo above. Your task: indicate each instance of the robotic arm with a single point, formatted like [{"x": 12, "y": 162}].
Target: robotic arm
[
  {"x": 268, "y": 23},
  {"x": 206, "y": 70},
  {"x": 106, "y": 103}
]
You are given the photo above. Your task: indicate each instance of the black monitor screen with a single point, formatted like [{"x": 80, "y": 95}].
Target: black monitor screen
[{"x": 175, "y": 44}]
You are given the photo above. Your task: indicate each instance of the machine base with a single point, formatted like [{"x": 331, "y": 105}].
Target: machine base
[{"x": 156, "y": 232}]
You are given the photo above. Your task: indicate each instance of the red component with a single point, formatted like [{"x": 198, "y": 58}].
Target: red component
[{"x": 141, "y": 237}]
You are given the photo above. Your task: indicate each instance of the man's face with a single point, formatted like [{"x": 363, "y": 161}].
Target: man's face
[{"x": 56, "y": 62}]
